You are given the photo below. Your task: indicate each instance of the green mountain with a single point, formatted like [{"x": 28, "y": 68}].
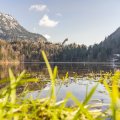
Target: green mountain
[{"x": 107, "y": 50}]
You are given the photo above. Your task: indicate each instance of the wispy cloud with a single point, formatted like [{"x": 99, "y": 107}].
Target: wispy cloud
[
  {"x": 47, "y": 22},
  {"x": 38, "y": 7},
  {"x": 47, "y": 36}
]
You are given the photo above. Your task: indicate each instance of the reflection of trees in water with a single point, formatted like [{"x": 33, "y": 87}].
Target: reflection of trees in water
[
  {"x": 17, "y": 69},
  {"x": 3, "y": 71},
  {"x": 72, "y": 68},
  {"x": 40, "y": 68},
  {"x": 82, "y": 68}
]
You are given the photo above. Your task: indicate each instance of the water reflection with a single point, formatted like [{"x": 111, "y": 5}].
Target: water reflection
[
  {"x": 16, "y": 68},
  {"x": 79, "y": 89},
  {"x": 79, "y": 68}
]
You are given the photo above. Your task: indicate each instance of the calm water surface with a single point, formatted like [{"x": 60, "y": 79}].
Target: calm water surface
[
  {"x": 78, "y": 67},
  {"x": 79, "y": 88}
]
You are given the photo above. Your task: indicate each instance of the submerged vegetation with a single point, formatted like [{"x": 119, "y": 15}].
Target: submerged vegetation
[{"x": 15, "y": 106}]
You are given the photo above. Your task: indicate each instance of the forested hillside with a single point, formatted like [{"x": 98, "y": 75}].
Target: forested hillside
[
  {"x": 104, "y": 51},
  {"x": 31, "y": 51},
  {"x": 7, "y": 53}
]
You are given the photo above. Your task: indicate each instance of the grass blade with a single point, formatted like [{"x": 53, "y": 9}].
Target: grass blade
[
  {"x": 12, "y": 86},
  {"x": 87, "y": 99}
]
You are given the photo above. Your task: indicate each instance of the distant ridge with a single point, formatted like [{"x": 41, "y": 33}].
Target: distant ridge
[
  {"x": 10, "y": 30},
  {"x": 112, "y": 42}
]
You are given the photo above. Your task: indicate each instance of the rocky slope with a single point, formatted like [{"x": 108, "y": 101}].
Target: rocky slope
[{"x": 11, "y": 30}]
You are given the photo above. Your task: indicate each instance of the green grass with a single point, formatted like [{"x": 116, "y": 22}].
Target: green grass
[{"x": 13, "y": 106}]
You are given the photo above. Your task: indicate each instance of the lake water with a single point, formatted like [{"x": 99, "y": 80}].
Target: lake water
[
  {"x": 78, "y": 89},
  {"x": 81, "y": 68}
]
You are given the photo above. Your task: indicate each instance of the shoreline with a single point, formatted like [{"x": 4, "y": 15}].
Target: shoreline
[{"x": 6, "y": 62}]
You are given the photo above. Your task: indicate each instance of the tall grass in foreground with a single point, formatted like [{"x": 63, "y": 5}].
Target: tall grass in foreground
[
  {"x": 114, "y": 93},
  {"x": 13, "y": 106}
]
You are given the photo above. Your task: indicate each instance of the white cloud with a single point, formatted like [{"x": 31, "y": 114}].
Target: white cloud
[
  {"x": 47, "y": 36},
  {"x": 47, "y": 22},
  {"x": 39, "y": 7}
]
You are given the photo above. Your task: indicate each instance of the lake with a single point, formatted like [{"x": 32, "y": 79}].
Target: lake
[
  {"x": 81, "y": 68},
  {"x": 78, "y": 88}
]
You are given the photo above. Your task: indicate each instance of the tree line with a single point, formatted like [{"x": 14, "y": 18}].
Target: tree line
[{"x": 31, "y": 51}]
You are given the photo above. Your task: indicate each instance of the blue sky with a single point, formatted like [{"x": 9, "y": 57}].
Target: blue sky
[{"x": 82, "y": 21}]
